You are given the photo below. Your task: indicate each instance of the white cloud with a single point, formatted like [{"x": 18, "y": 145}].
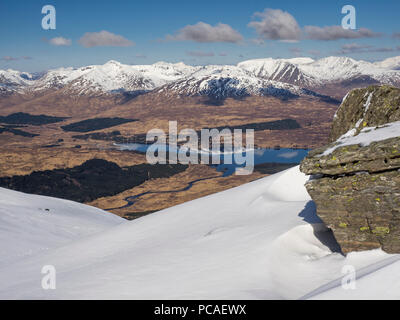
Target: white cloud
[
  {"x": 257, "y": 41},
  {"x": 60, "y": 41},
  {"x": 275, "y": 24},
  {"x": 104, "y": 39},
  {"x": 9, "y": 58},
  {"x": 296, "y": 51},
  {"x": 396, "y": 35},
  {"x": 386, "y": 49},
  {"x": 363, "y": 48},
  {"x": 355, "y": 46},
  {"x": 203, "y": 32},
  {"x": 314, "y": 52},
  {"x": 337, "y": 32},
  {"x": 199, "y": 54}
]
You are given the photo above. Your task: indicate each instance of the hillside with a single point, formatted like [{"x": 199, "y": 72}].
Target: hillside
[
  {"x": 261, "y": 240},
  {"x": 32, "y": 224}
]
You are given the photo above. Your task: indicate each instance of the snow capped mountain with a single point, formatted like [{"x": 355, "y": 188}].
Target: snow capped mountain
[
  {"x": 390, "y": 63},
  {"x": 333, "y": 68},
  {"x": 306, "y": 72},
  {"x": 343, "y": 68},
  {"x": 112, "y": 77},
  {"x": 260, "y": 77},
  {"x": 283, "y": 70},
  {"x": 221, "y": 82},
  {"x": 12, "y": 80},
  {"x": 261, "y": 240},
  {"x": 164, "y": 72}
]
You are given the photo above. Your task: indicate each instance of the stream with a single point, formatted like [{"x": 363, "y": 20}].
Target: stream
[{"x": 261, "y": 156}]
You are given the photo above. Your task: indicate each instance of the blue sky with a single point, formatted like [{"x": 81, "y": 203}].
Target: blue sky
[{"x": 144, "y": 27}]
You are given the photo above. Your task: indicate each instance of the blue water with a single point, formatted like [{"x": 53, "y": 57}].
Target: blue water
[{"x": 261, "y": 156}]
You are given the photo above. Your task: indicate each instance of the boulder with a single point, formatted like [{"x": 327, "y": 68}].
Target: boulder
[
  {"x": 355, "y": 180},
  {"x": 369, "y": 107}
]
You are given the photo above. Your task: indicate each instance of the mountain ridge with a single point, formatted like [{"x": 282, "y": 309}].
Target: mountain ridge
[{"x": 251, "y": 77}]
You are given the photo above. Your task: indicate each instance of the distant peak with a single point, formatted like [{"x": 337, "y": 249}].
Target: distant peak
[
  {"x": 164, "y": 63},
  {"x": 113, "y": 62},
  {"x": 161, "y": 63},
  {"x": 335, "y": 59}
]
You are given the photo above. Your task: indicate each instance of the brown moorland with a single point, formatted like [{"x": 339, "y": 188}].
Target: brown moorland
[{"x": 55, "y": 148}]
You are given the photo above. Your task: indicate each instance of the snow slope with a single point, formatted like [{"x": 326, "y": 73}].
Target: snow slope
[
  {"x": 30, "y": 224},
  {"x": 261, "y": 240}
]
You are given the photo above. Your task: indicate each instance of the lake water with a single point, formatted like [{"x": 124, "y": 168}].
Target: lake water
[{"x": 261, "y": 155}]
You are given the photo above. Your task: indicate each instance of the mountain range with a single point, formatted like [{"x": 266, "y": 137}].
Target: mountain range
[{"x": 332, "y": 76}]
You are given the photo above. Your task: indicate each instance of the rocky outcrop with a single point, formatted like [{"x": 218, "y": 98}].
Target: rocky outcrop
[
  {"x": 370, "y": 107},
  {"x": 355, "y": 180}
]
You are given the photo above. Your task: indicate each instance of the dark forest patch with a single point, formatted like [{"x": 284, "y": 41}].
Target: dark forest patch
[
  {"x": 114, "y": 136},
  {"x": 95, "y": 124},
  {"x": 93, "y": 179},
  {"x": 285, "y": 124},
  {"x": 18, "y": 132},
  {"x": 51, "y": 146},
  {"x": 26, "y": 118},
  {"x": 105, "y": 136}
]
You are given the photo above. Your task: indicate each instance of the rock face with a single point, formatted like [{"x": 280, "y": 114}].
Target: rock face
[
  {"x": 370, "y": 107},
  {"x": 355, "y": 180}
]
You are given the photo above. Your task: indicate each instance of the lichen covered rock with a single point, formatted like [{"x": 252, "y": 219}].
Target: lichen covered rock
[
  {"x": 355, "y": 180},
  {"x": 362, "y": 210},
  {"x": 376, "y": 157},
  {"x": 369, "y": 107}
]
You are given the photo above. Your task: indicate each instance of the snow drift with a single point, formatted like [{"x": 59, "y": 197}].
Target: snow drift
[{"x": 261, "y": 240}]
